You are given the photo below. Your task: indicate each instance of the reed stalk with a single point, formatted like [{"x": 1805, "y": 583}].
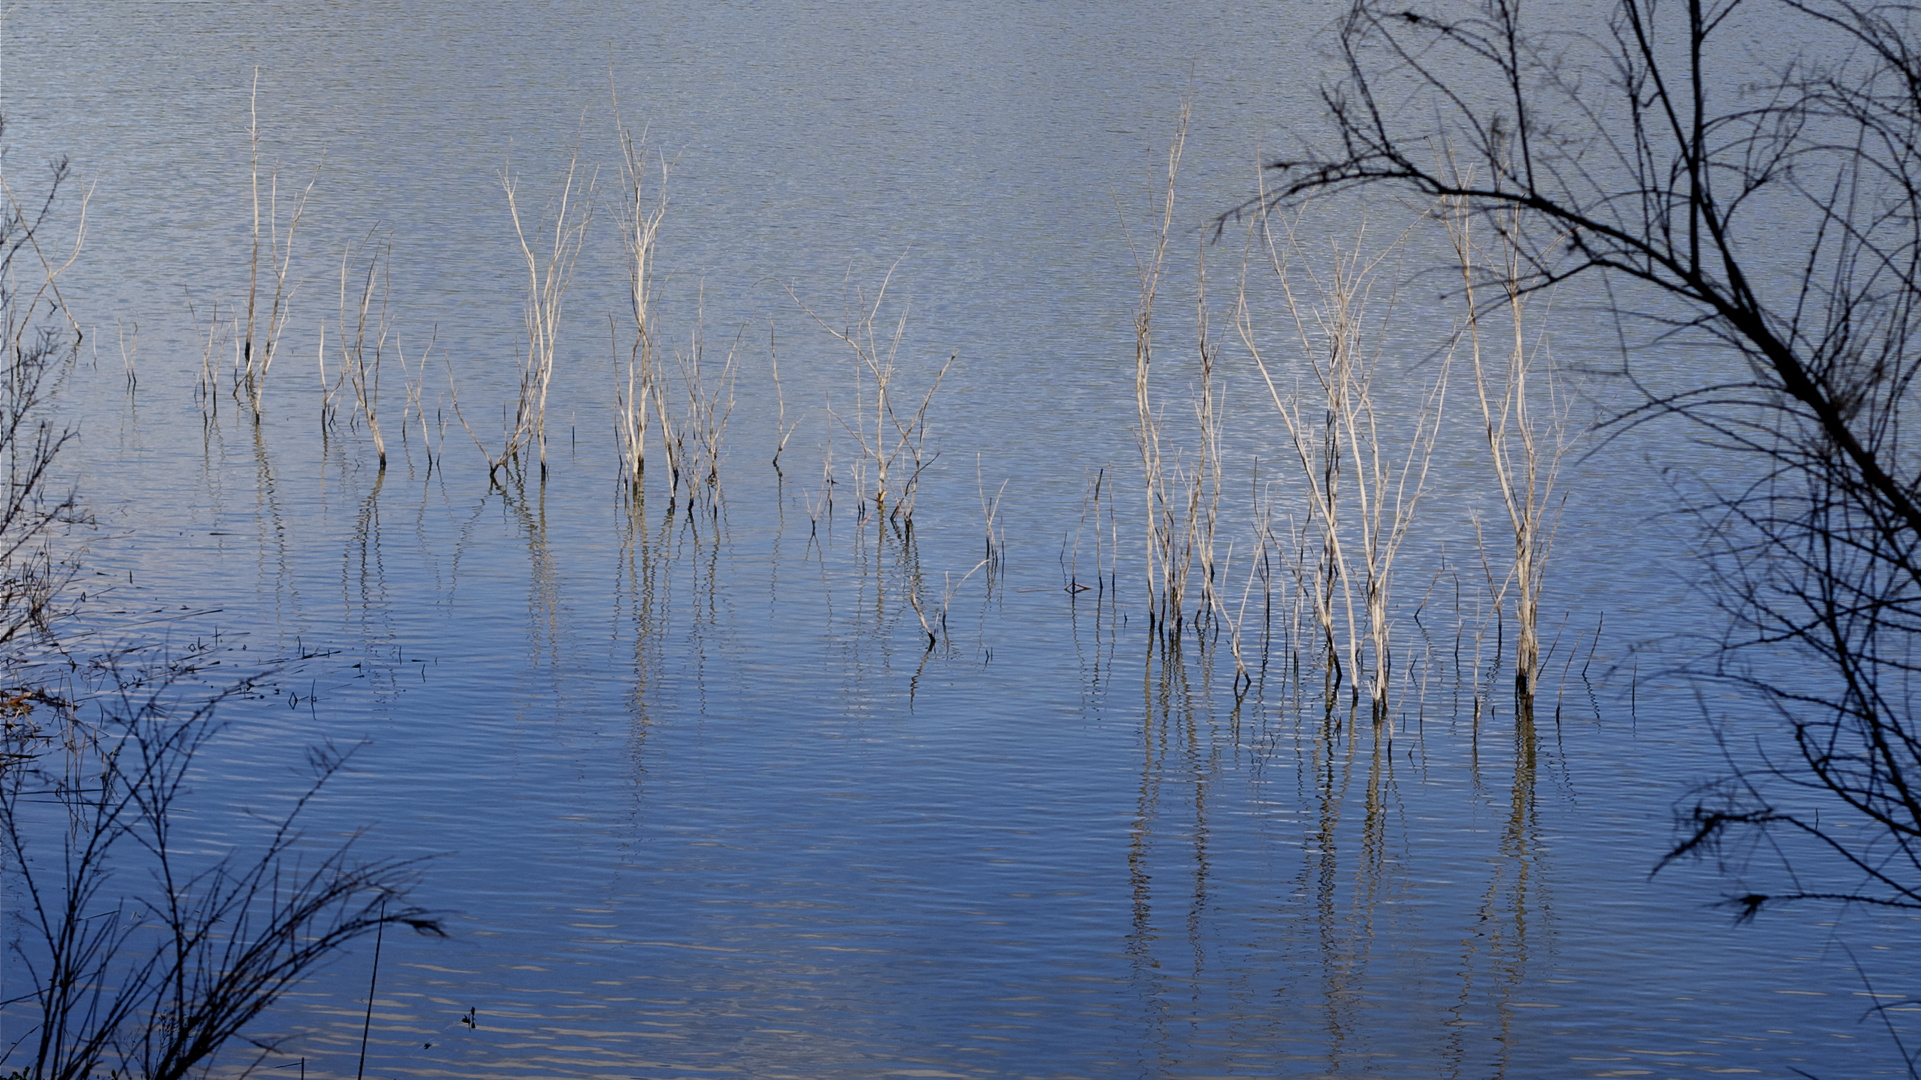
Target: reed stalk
[
  {"x": 415, "y": 385},
  {"x": 638, "y": 389},
  {"x": 1361, "y": 493},
  {"x": 936, "y": 627},
  {"x": 266, "y": 315},
  {"x": 550, "y": 262},
  {"x": 129, "y": 353},
  {"x": 994, "y": 557},
  {"x": 22, "y": 233},
  {"x": 820, "y": 507},
  {"x": 782, "y": 428},
  {"x": 696, "y": 437},
  {"x": 1524, "y": 448},
  {"x": 1164, "y": 586},
  {"x": 1090, "y": 495},
  {"x": 364, "y": 328},
  {"x": 892, "y": 438},
  {"x": 1209, "y": 415},
  {"x": 207, "y": 382},
  {"x": 1260, "y": 573},
  {"x": 1182, "y": 503}
]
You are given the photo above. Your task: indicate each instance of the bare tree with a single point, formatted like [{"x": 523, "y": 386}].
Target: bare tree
[{"x": 1745, "y": 173}]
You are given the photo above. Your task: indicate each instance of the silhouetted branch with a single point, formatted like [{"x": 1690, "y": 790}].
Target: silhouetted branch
[{"x": 1770, "y": 207}]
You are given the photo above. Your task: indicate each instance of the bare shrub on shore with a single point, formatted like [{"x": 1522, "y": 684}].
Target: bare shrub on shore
[
  {"x": 42, "y": 338},
  {"x": 133, "y": 948}
]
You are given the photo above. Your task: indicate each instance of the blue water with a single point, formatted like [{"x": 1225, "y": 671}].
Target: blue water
[{"x": 700, "y": 798}]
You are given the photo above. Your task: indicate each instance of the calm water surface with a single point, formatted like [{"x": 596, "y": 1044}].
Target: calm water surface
[{"x": 704, "y": 802}]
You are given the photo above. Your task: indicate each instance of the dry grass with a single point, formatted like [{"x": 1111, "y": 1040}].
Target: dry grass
[
  {"x": 364, "y": 327},
  {"x": 696, "y": 435},
  {"x": 267, "y": 309},
  {"x": 782, "y": 428},
  {"x": 549, "y": 254},
  {"x": 891, "y": 430},
  {"x": 1363, "y": 471},
  {"x": 1183, "y": 480},
  {"x": 1524, "y": 447},
  {"x": 639, "y": 389},
  {"x": 1182, "y": 500}
]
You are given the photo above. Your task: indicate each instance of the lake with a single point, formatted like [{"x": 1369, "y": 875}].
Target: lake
[{"x": 702, "y": 797}]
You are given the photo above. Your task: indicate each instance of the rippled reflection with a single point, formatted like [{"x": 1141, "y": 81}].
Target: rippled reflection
[{"x": 746, "y": 779}]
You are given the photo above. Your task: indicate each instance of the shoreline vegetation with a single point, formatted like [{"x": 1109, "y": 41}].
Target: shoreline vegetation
[{"x": 134, "y": 948}]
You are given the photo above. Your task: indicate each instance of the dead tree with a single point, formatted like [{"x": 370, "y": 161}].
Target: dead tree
[{"x": 1746, "y": 174}]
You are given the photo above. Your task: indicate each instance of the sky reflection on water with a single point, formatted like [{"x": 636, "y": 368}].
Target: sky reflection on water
[{"x": 705, "y": 800}]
